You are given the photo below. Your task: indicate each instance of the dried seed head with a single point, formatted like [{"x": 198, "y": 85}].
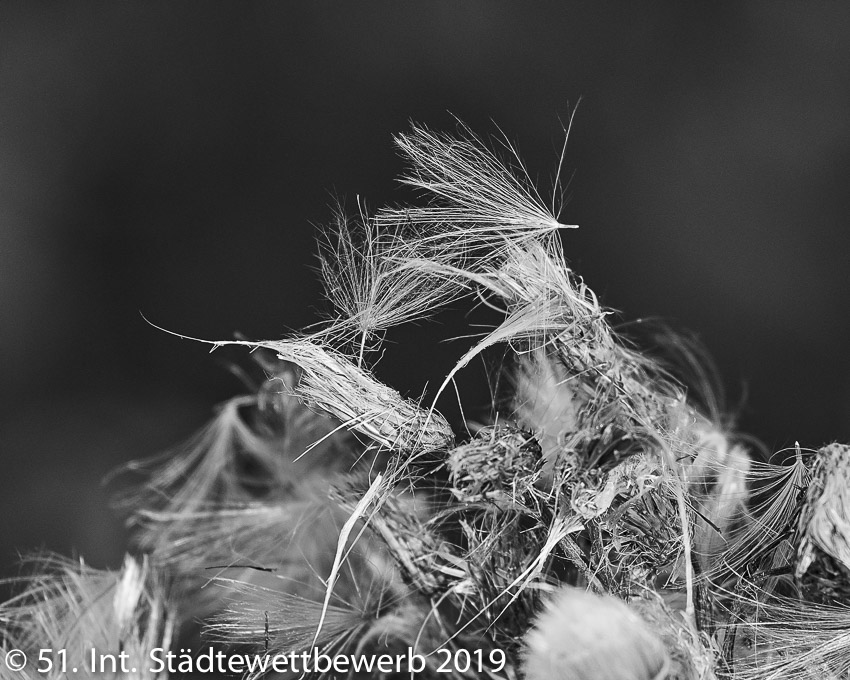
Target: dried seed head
[
  {"x": 823, "y": 556},
  {"x": 692, "y": 656},
  {"x": 426, "y": 561},
  {"x": 499, "y": 459}
]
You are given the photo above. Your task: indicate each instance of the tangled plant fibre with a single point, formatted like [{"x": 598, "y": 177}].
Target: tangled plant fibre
[{"x": 599, "y": 524}]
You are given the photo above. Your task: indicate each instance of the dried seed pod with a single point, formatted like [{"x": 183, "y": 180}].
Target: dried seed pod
[{"x": 332, "y": 383}]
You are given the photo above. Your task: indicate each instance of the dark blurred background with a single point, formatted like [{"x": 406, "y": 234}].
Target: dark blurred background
[{"x": 173, "y": 159}]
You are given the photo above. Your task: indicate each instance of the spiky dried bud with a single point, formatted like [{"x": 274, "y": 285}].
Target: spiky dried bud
[{"x": 498, "y": 460}]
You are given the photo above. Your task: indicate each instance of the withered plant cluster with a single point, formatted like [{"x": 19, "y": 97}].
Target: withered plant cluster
[{"x": 599, "y": 525}]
